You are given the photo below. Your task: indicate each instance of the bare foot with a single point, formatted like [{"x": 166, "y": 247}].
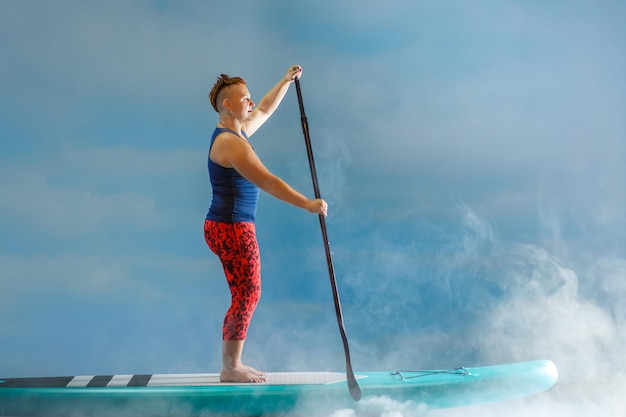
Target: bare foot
[
  {"x": 254, "y": 371},
  {"x": 243, "y": 374}
]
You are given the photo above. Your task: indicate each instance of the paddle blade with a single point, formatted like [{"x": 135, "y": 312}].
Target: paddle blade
[{"x": 353, "y": 386}]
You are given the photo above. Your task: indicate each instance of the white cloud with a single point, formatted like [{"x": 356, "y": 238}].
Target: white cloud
[
  {"x": 81, "y": 190},
  {"x": 517, "y": 109},
  {"x": 33, "y": 203}
]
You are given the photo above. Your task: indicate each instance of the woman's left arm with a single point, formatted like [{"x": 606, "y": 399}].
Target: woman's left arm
[{"x": 270, "y": 101}]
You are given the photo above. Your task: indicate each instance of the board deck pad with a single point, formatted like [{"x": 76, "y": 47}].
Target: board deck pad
[{"x": 171, "y": 380}]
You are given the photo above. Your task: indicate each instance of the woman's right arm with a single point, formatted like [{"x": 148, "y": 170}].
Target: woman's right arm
[{"x": 242, "y": 157}]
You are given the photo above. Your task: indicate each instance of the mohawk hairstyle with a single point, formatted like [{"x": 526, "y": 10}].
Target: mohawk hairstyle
[{"x": 222, "y": 81}]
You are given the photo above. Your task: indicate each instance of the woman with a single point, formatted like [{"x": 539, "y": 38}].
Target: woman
[{"x": 236, "y": 175}]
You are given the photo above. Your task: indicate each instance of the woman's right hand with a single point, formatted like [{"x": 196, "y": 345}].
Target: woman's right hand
[{"x": 317, "y": 206}]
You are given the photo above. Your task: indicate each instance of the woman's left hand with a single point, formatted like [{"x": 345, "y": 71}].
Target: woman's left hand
[{"x": 294, "y": 71}]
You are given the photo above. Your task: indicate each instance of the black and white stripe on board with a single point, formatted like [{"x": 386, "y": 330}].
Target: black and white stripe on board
[{"x": 164, "y": 380}]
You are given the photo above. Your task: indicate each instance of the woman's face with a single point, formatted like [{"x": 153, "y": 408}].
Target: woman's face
[{"x": 239, "y": 102}]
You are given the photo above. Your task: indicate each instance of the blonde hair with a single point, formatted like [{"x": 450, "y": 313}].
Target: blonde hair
[{"x": 222, "y": 82}]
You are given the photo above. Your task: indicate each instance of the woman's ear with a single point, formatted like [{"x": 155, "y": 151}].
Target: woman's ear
[{"x": 226, "y": 104}]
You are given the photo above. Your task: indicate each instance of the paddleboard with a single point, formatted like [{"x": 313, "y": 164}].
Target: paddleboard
[{"x": 182, "y": 395}]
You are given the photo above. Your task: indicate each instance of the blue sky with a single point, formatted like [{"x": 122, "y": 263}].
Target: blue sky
[{"x": 472, "y": 154}]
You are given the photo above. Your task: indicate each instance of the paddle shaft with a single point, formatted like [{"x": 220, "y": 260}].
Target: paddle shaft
[{"x": 355, "y": 391}]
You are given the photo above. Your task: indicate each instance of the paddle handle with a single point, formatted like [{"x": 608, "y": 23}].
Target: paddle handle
[{"x": 355, "y": 390}]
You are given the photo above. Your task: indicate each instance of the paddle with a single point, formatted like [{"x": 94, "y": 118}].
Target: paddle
[{"x": 355, "y": 391}]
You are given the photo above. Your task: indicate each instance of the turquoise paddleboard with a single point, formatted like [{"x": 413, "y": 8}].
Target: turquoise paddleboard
[{"x": 178, "y": 395}]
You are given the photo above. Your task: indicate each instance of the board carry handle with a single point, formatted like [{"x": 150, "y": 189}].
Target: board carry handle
[{"x": 355, "y": 390}]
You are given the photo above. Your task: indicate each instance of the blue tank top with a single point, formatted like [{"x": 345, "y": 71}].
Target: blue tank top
[{"x": 234, "y": 197}]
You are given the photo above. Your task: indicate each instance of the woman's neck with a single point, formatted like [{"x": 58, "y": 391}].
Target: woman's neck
[{"x": 230, "y": 123}]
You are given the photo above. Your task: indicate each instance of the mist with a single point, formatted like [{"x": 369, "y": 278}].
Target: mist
[{"x": 472, "y": 156}]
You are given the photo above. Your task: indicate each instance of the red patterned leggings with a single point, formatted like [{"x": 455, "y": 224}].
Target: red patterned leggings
[{"x": 236, "y": 246}]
